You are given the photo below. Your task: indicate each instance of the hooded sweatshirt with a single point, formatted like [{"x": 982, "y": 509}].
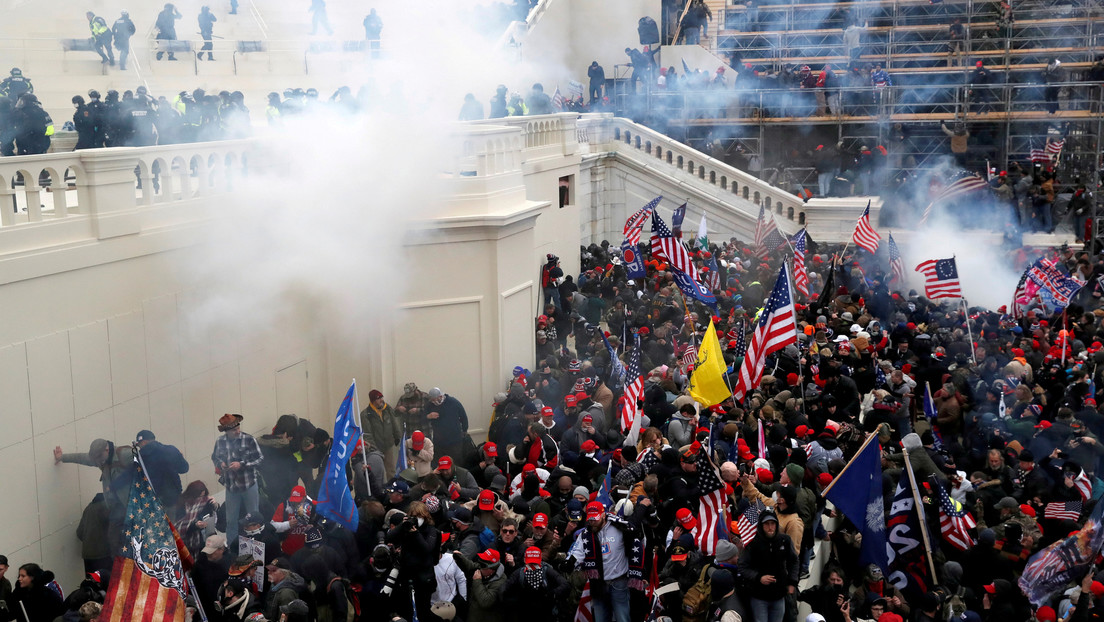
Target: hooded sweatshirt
[{"x": 773, "y": 556}]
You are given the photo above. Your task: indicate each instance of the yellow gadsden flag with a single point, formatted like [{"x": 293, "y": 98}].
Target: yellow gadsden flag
[{"x": 707, "y": 384}]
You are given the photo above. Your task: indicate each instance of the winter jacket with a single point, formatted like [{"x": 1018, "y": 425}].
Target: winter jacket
[
  {"x": 164, "y": 466},
  {"x": 382, "y": 428},
  {"x": 789, "y": 524},
  {"x": 451, "y": 425},
  {"x": 770, "y": 556},
  {"x": 484, "y": 594},
  {"x": 291, "y": 588}
]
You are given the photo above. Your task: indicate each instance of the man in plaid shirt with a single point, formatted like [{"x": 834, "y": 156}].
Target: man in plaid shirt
[{"x": 236, "y": 457}]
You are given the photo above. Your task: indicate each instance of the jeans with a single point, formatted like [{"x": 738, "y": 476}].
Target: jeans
[
  {"x": 768, "y": 610},
  {"x": 234, "y": 500},
  {"x": 824, "y": 182},
  {"x": 617, "y": 599},
  {"x": 1045, "y": 218},
  {"x": 552, "y": 295}
]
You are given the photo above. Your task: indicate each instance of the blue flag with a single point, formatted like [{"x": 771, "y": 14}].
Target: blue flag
[
  {"x": 617, "y": 370},
  {"x": 604, "y": 495},
  {"x": 692, "y": 288},
  {"x": 335, "y": 499},
  {"x": 400, "y": 464},
  {"x": 676, "y": 220},
  {"x": 634, "y": 263},
  {"x": 908, "y": 568},
  {"x": 930, "y": 412},
  {"x": 857, "y": 492}
]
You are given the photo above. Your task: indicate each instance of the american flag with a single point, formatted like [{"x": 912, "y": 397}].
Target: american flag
[
  {"x": 585, "y": 612},
  {"x": 713, "y": 276},
  {"x": 748, "y": 522},
  {"x": 940, "y": 278},
  {"x": 763, "y": 233},
  {"x": 775, "y": 330},
  {"x": 1083, "y": 485},
  {"x": 1062, "y": 510},
  {"x": 711, "y": 507},
  {"x": 801, "y": 276},
  {"x": 557, "y": 99},
  {"x": 1020, "y": 297},
  {"x": 964, "y": 182},
  {"x": 634, "y": 389},
  {"x": 955, "y": 522},
  {"x": 931, "y": 412},
  {"x": 147, "y": 578},
  {"x": 667, "y": 247},
  {"x": 636, "y": 222},
  {"x": 865, "y": 236},
  {"x": 688, "y": 355},
  {"x": 741, "y": 340},
  {"x": 1058, "y": 286},
  {"x": 1049, "y": 152},
  {"x": 896, "y": 264}
]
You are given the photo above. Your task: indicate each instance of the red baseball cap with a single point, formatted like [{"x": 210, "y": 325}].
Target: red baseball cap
[
  {"x": 491, "y": 450},
  {"x": 529, "y": 468},
  {"x": 444, "y": 464},
  {"x": 686, "y": 519},
  {"x": 540, "y": 519},
  {"x": 1046, "y": 614},
  {"x": 595, "y": 510},
  {"x": 297, "y": 494},
  {"x": 490, "y": 556},
  {"x": 589, "y": 446},
  {"x": 486, "y": 500},
  {"x": 588, "y": 419},
  {"x": 417, "y": 440},
  {"x": 532, "y": 555},
  {"x": 570, "y": 401},
  {"x": 547, "y": 412},
  {"x": 991, "y": 588},
  {"x": 764, "y": 476}
]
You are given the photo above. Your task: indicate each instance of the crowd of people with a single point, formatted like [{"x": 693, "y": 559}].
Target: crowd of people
[{"x": 559, "y": 505}]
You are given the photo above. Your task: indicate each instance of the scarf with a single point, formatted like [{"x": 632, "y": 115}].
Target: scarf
[
  {"x": 378, "y": 411},
  {"x": 636, "y": 545},
  {"x": 533, "y": 576},
  {"x": 193, "y": 538}
]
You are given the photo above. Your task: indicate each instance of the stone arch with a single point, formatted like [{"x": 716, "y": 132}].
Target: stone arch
[
  {"x": 690, "y": 166},
  {"x": 181, "y": 179},
  {"x": 724, "y": 182},
  {"x": 767, "y": 203},
  {"x": 713, "y": 177},
  {"x": 669, "y": 157},
  {"x": 678, "y": 162},
  {"x": 790, "y": 213},
  {"x": 198, "y": 171},
  {"x": 757, "y": 199},
  {"x": 801, "y": 218},
  {"x": 746, "y": 192}
]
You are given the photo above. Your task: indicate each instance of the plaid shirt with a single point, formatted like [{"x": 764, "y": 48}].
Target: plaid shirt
[{"x": 243, "y": 449}]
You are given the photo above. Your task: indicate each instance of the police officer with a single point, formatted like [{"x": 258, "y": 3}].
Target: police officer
[
  {"x": 34, "y": 127},
  {"x": 7, "y": 127},
  {"x": 206, "y": 30},
  {"x": 123, "y": 29},
  {"x": 101, "y": 38},
  {"x": 272, "y": 111},
  {"x": 15, "y": 85},
  {"x": 83, "y": 123},
  {"x": 96, "y": 116},
  {"x": 166, "y": 27},
  {"x": 140, "y": 118}
]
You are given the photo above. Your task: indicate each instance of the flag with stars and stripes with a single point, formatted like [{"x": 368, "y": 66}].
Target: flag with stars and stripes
[
  {"x": 955, "y": 522},
  {"x": 147, "y": 577},
  {"x": 634, "y": 390},
  {"x": 1083, "y": 485},
  {"x": 940, "y": 278},
  {"x": 1062, "y": 510},
  {"x": 748, "y": 522},
  {"x": 635, "y": 223},
  {"x": 896, "y": 264},
  {"x": 712, "y": 277},
  {"x": 712, "y": 524},
  {"x": 801, "y": 275},
  {"x": 558, "y": 100},
  {"x": 865, "y": 236},
  {"x": 963, "y": 183},
  {"x": 741, "y": 340},
  {"x": 585, "y": 611},
  {"x": 775, "y": 329},
  {"x": 1020, "y": 298},
  {"x": 667, "y": 247},
  {"x": 766, "y": 233},
  {"x": 931, "y": 412}
]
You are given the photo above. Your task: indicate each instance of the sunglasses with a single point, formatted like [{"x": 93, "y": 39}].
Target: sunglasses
[{"x": 508, "y": 531}]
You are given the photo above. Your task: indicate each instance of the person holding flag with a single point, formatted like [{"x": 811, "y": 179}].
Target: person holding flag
[{"x": 708, "y": 385}]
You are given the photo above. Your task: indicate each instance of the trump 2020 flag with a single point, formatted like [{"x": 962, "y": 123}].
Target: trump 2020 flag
[
  {"x": 857, "y": 492},
  {"x": 634, "y": 263},
  {"x": 335, "y": 499},
  {"x": 692, "y": 288}
]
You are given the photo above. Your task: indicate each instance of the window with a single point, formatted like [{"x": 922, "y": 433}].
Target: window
[{"x": 567, "y": 190}]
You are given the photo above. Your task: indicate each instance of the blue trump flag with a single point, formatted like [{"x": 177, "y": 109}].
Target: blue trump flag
[
  {"x": 857, "y": 492},
  {"x": 634, "y": 263},
  {"x": 692, "y": 288},
  {"x": 335, "y": 499}
]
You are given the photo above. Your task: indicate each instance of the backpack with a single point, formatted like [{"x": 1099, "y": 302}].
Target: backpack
[
  {"x": 546, "y": 276},
  {"x": 695, "y": 603},
  {"x": 353, "y": 606},
  {"x": 956, "y": 605}
]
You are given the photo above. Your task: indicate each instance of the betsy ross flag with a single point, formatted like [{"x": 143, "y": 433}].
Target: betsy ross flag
[
  {"x": 147, "y": 578},
  {"x": 940, "y": 278},
  {"x": 711, "y": 506},
  {"x": 955, "y": 522},
  {"x": 801, "y": 275},
  {"x": 748, "y": 522},
  {"x": 775, "y": 329},
  {"x": 1062, "y": 510},
  {"x": 964, "y": 182},
  {"x": 636, "y": 222},
  {"x": 865, "y": 236},
  {"x": 896, "y": 264},
  {"x": 585, "y": 611},
  {"x": 667, "y": 247},
  {"x": 634, "y": 390}
]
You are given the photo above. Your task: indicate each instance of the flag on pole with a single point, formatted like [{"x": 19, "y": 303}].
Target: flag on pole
[
  {"x": 400, "y": 463},
  {"x": 955, "y": 522},
  {"x": 896, "y": 264},
  {"x": 585, "y": 610},
  {"x": 676, "y": 220},
  {"x": 775, "y": 329},
  {"x": 707, "y": 383},
  {"x": 558, "y": 100},
  {"x": 636, "y": 222},
  {"x": 634, "y": 390},
  {"x": 702, "y": 241},
  {"x": 1052, "y": 283},
  {"x": 930, "y": 412},
  {"x": 801, "y": 275},
  {"x": 667, "y": 247},
  {"x": 147, "y": 577},
  {"x": 1083, "y": 485},
  {"x": 940, "y": 278},
  {"x": 741, "y": 340},
  {"x": 692, "y": 288},
  {"x": 711, "y": 506},
  {"x": 857, "y": 492},
  {"x": 1063, "y": 510},
  {"x": 617, "y": 370},
  {"x": 335, "y": 500},
  {"x": 1051, "y": 569},
  {"x": 712, "y": 276},
  {"x": 907, "y": 548},
  {"x": 748, "y": 522},
  {"x": 763, "y": 230},
  {"x": 604, "y": 495},
  {"x": 865, "y": 236},
  {"x": 1020, "y": 299},
  {"x": 634, "y": 263},
  {"x": 964, "y": 183}
]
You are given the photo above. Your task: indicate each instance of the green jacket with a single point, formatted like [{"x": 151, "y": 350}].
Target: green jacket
[
  {"x": 383, "y": 430},
  {"x": 115, "y": 476}
]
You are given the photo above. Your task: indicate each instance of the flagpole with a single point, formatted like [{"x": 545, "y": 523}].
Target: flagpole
[
  {"x": 363, "y": 445},
  {"x": 920, "y": 513},
  {"x": 869, "y": 437},
  {"x": 969, "y": 330}
]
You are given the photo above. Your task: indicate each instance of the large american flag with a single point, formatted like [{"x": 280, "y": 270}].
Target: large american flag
[
  {"x": 636, "y": 222},
  {"x": 667, "y": 247},
  {"x": 940, "y": 278},
  {"x": 766, "y": 231},
  {"x": 964, "y": 182},
  {"x": 955, "y": 522},
  {"x": 865, "y": 236},
  {"x": 1062, "y": 510},
  {"x": 557, "y": 99},
  {"x": 711, "y": 507},
  {"x": 775, "y": 330},
  {"x": 748, "y": 522},
  {"x": 634, "y": 389},
  {"x": 585, "y": 611},
  {"x": 741, "y": 339},
  {"x": 801, "y": 276},
  {"x": 1020, "y": 298},
  {"x": 1083, "y": 485},
  {"x": 896, "y": 264},
  {"x": 1048, "y": 153},
  {"x": 688, "y": 354},
  {"x": 147, "y": 578}
]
